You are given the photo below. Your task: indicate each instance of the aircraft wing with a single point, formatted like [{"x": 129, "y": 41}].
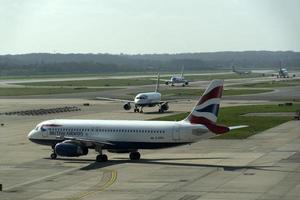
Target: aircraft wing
[
  {"x": 237, "y": 127},
  {"x": 112, "y": 99},
  {"x": 86, "y": 141},
  {"x": 165, "y": 80}
]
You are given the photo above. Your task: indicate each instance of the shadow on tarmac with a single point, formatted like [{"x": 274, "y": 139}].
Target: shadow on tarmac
[{"x": 92, "y": 165}]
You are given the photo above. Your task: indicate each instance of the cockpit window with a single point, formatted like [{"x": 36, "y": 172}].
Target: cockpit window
[
  {"x": 142, "y": 97},
  {"x": 37, "y": 127}
]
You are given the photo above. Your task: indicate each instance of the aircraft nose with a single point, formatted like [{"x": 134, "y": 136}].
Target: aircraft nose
[
  {"x": 136, "y": 101},
  {"x": 31, "y": 134}
]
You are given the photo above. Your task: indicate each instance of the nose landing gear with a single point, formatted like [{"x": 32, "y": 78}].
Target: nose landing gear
[{"x": 53, "y": 155}]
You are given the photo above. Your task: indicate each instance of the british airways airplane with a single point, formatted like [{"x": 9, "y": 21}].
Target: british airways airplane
[
  {"x": 145, "y": 99},
  {"x": 73, "y": 138},
  {"x": 177, "y": 80}
]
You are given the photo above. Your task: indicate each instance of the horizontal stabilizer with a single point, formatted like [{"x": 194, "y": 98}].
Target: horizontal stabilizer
[
  {"x": 238, "y": 127},
  {"x": 112, "y": 99}
]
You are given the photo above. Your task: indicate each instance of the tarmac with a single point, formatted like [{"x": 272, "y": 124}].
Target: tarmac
[{"x": 265, "y": 166}]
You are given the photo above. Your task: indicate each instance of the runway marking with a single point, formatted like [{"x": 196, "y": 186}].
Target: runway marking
[{"x": 109, "y": 174}]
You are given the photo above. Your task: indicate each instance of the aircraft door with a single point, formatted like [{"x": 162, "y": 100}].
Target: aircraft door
[{"x": 176, "y": 133}]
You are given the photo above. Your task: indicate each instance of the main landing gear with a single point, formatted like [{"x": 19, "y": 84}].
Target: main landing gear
[
  {"x": 101, "y": 157},
  {"x": 134, "y": 155},
  {"x": 138, "y": 110}
]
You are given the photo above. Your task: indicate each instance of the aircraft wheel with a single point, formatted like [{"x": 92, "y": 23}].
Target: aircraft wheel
[
  {"x": 134, "y": 155},
  {"x": 141, "y": 111},
  {"x": 134, "y": 110},
  {"x": 53, "y": 156},
  {"x": 101, "y": 158}
]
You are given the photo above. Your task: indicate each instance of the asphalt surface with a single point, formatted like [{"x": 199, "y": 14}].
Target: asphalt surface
[{"x": 265, "y": 166}]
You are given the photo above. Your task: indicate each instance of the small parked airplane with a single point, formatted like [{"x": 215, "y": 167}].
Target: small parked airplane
[
  {"x": 73, "y": 138},
  {"x": 145, "y": 99},
  {"x": 177, "y": 80}
]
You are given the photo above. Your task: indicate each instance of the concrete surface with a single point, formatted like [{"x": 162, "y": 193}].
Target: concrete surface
[{"x": 265, "y": 166}]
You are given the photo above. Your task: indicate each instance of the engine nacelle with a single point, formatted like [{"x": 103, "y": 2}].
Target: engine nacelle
[
  {"x": 186, "y": 83},
  {"x": 127, "y": 106},
  {"x": 164, "y": 106},
  {"x": 70, "y": 149}
]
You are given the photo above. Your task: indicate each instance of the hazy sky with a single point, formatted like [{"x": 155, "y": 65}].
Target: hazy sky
[{"x": 148, "y": 26}]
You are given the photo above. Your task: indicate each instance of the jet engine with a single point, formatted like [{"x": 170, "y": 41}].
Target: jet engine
[
  {"x": 164, "y": 107},
  {"x": 70, "y": 149},
  {"x": 127, "y": 106}
]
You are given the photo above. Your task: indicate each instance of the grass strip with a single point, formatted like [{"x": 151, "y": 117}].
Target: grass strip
[
  {"x": 232, "y": 116},
  {"x": 46, "y": 91}
]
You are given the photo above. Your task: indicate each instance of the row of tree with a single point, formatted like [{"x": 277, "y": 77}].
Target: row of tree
[{"x": 44, "y": 63}]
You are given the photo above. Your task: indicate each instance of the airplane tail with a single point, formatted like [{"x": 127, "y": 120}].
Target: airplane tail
[
  {"x": 182, "y": 71},
  {"x": 157, "y": 83},
  {"x": 206, "y": 110}
]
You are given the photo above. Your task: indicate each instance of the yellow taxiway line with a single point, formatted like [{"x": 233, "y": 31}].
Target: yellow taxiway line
[{"x": 109, "y": 174}]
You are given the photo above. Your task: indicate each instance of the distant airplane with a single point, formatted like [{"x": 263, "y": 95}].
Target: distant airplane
[
  {"x": 73, "y": 138},
  {"x": 145, "y": 99},
  {"x": 283, "y": 73},
  {"x": 240, "y": 72},
  {"x": 177, "y": 80}
]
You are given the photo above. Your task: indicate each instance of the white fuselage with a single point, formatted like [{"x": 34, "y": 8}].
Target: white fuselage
[
  {"x": 177, "y": 79},
  {"x": 147, "y": 98},
  {"x": 122, "y": 134},
  {"x": 283, "y": 72}
]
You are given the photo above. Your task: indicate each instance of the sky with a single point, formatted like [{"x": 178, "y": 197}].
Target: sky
[{"x": 148, "y": 26}]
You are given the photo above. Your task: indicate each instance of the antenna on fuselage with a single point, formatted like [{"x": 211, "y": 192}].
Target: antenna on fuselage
[{"x": 157, "y": 84}]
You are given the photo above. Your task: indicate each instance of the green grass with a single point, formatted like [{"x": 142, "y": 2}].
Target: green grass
[
  {"x": 220, "y": 76},
  {"x": 273, "y": 84},
  {"x": 232, "y": 116},
  {"x": 197, "y": 92},
  {"x": 76, "y": 75},
  {"x": 121, "y": 82},
  {"x": 68, "y": 75},
  {"x": 44, "y": 91},
  {"x": 98, "y": 82}
]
